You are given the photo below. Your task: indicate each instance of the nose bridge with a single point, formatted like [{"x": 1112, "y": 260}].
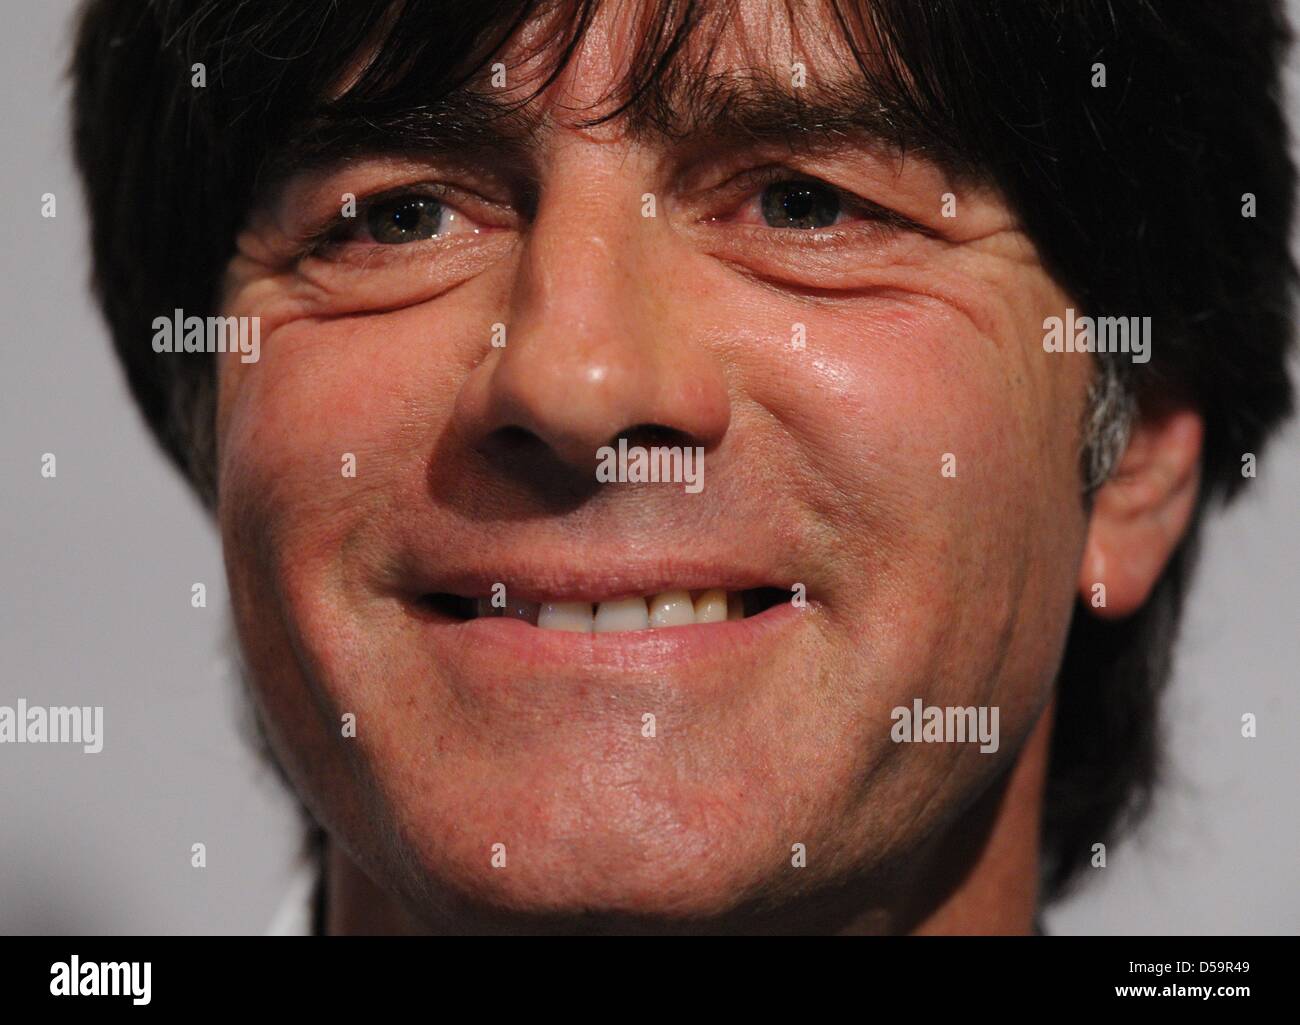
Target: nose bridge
[
  {"x": 577, "y": 285},
  {"x": 577, "y": 354},
  {"x": 598, "y": 337},
  {"x": 589, "y": 352}
]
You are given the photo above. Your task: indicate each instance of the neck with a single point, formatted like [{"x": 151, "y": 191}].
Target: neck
[{"x": 980, "y": 877}]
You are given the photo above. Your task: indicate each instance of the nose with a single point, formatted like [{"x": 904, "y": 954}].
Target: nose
[{"x": 599, "y": 342}]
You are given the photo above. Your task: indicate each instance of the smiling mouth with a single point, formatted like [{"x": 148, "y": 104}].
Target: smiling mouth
[{"x": 666, "y": 609}]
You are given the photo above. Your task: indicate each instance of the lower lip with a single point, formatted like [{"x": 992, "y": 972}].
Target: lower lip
[{"x": 503, "y": 643}]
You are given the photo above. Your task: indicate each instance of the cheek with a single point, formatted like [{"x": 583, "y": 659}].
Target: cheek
[
  {"x": 322, "y": 389},
  {"x": 320, "y": 441},
  {"x": 318, "y": 444},
  {"x": 938, "y": 449},
  {"x": 907, "y": 394},
  {"x": 332, "y": 426}
]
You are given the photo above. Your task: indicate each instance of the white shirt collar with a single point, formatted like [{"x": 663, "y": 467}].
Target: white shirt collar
[{"x": 293, "y": 916}]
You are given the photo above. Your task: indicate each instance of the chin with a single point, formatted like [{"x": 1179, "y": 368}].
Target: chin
[{"x": 636, "y": 856}]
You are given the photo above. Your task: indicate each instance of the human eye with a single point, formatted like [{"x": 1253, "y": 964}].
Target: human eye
[
  {"x": 401, "y": 217},
  {"x": 802, "y": 203},
  {"x": 784, "y": 200}
]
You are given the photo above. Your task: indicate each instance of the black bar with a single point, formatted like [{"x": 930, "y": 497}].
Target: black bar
[{"x": 480, "y": 978}]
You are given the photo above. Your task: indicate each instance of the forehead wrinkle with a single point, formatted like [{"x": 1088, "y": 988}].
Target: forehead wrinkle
[
  {"x": 462, "y": 123},
  {"x": 731, "y": 83},
  {"x": 692, "y": 101},
  {"x": 754, "y": 108}
]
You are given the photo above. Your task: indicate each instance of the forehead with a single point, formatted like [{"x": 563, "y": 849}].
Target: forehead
[
  {"x": 717, "y": 71},
  {"x": 639, "y": 55}
]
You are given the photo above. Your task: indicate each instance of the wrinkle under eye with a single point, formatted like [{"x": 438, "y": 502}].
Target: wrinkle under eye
[{"x": 799, "y": 204}]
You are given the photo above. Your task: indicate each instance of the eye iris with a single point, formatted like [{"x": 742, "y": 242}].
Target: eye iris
[
  {"x": 408, "y": 219},
  {"x": 797, "y": 204}
]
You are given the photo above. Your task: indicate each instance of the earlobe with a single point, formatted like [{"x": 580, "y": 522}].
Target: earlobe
[{"x": 1142, "y": 512}]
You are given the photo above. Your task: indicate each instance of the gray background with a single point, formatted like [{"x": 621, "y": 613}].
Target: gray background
[{"x": 96, "y": 576}]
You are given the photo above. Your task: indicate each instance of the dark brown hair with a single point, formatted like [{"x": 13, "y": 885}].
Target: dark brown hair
[{"x": 1133, "y": 194}]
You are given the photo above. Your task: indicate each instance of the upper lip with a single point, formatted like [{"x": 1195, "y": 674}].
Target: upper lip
[{"x": 584, "y": 580}]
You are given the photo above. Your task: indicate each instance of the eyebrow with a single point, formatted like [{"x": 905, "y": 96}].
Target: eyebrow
[
  {"x": 700, "y": 110},
  {"x": 733, "y": 109},
  {"x": 471, "y": 126}
]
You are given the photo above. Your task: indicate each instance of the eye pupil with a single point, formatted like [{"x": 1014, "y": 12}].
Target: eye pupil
[
  {"x": 406, "y": 219},
  {"x": 800, "y": 204}
]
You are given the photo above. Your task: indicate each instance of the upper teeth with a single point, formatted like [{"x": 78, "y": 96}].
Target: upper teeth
[{"x": 670, "y": 608}]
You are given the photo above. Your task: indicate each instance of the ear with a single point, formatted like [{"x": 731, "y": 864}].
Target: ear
[{"x": 1141, "y": 513}]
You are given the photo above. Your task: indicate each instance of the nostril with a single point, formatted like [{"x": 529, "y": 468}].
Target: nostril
[
  {"x": 653, "y": 436},
  {"x": 515, "y": 447},
  {"x": 517, "y": 457},
  {"x": 513, "y": 436}
]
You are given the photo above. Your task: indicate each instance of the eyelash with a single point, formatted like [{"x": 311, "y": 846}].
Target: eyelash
[
  {"x": 743, "y": 187},
  {"x": 333, "y": 232},
  {"x": 752, "y": 182}
]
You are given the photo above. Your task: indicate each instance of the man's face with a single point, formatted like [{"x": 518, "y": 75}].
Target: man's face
[{"x": 882, "y": 431}]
